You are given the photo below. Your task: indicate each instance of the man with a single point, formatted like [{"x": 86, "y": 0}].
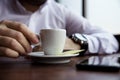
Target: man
[{"x": 21, "y": 19}]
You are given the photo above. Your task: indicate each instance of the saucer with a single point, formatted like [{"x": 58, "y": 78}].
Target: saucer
[{"x": 41, "y": 58}]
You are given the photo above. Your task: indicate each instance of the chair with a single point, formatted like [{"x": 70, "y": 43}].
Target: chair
[{"x": 117, "y": 36}]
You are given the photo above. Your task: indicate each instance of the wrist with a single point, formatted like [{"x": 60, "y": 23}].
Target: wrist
[
  {"x": 71, "y": 45},
  {"x": 75, "y": 45},
  {"x": 81, "y": 40}
]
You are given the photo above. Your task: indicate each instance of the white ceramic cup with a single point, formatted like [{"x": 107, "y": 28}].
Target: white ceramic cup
[{"x": 53, "y": 41}]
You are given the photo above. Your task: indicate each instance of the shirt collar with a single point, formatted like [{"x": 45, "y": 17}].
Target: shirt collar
[{"x": 41, "y": 8}]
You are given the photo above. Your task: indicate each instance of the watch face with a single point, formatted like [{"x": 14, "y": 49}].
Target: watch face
[{"x": 81, "y": 37}]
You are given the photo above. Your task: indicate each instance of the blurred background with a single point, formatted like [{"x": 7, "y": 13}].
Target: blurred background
[{"x": 103, "y": 13}]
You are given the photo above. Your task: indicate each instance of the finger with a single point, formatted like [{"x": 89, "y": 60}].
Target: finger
[
  {"x": 8, "y": 52},
  {"x": 23, "y": 29},
  {"x": 12, "y": 44},
  {"x": 36, "y": 44},
  {"x": 4, "y": 31}
]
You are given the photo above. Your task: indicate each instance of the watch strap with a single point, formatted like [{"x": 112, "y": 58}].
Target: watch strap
[{"x": 83, "y": 43}]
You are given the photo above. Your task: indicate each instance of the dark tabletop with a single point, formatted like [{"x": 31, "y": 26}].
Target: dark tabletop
[{"x": 24, "y": 69}]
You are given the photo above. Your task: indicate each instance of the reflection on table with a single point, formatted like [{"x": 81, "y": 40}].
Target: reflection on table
[{"x": 24, "y": 69}]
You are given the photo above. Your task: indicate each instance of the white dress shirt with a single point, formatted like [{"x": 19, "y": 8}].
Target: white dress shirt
[{"x": 54, "y": 15}]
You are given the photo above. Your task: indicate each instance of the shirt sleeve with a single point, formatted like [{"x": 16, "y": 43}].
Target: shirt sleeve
[{"x": 99, "y": 40}]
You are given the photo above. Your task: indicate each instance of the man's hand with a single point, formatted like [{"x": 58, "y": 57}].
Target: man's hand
[
  {"x": 70, "y": 45},
  {"x": 15, "y": 39}
]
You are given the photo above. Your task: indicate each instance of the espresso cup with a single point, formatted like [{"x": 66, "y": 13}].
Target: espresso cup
[{"x": 53, "y": 41}]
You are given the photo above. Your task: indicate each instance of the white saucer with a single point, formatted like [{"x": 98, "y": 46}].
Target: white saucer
[{"x": 40, "y": 57}]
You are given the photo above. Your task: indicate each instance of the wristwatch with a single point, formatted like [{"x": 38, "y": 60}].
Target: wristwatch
[{"x": 82, "y": 40}]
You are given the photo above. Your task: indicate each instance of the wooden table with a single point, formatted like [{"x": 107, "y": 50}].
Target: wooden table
[{"x": 22, "y": 69}]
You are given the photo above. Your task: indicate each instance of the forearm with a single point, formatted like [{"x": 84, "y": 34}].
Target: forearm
[
  {"x": 99, "y": 41},
  {"x": 102, "y": 43}
]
